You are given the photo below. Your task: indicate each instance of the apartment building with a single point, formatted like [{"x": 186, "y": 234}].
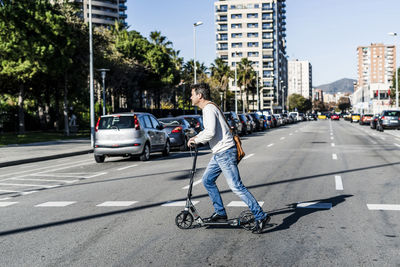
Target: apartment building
[
  {"x": 255, "y": 29},
  {"x": 105, "y": 12},
  {"x": 300, "y": 78}
]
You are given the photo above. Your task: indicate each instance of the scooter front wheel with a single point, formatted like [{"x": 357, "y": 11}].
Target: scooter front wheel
[
  {"x": 247, "y": 220},
  {"x": 184, "y": 220}
]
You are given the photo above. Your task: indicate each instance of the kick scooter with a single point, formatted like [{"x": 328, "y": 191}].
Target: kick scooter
[{"x": 185, "y": 219}]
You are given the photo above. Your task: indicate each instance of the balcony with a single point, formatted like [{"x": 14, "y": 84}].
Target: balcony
[
  {"x": 222, "y": 29},
  {"x": 122, "y": 16},
  {"x": 122, "y": 7},
  {"x": 221, "y": 10},
  {"x": 222, "y": 20},
  {"x": 222, "y": 48}
]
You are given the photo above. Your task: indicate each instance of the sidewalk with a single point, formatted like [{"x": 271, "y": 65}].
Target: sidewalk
[{"x": 26, "y": 153}]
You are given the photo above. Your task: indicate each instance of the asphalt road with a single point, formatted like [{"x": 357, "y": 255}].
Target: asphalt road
[{"x": 332, "y": 189}]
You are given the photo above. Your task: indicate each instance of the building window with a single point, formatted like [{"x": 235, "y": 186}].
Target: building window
[
  {"x": 236, "y": 16},
  {"x": 224, "y": 57},
  {"x": 267, "y": 16},
  {"x": 252, "y": 34},
  {"x": 267, "y": 45},
  {"x": 266, "y": 6},
  {"x": 239, "y": 54},
  {"x": 236, "y": 25},
  {"x": 268, "y": 74},
  {"x": 236, "y": 45},
  {"x": 252, "y": 44},
  {"x": 223, "y": 37},
  {"x": 267, "y": 26},
  {"x": 252, "y": 54},
  {"x": 236, "y": 35},
  {"x": 252, "y": 15},
  {"x": 267, "y": 35},
  {"x": 252, "y": 25}
]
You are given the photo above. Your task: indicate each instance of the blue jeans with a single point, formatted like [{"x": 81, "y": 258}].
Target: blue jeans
[{"x": 226, "y": 162}]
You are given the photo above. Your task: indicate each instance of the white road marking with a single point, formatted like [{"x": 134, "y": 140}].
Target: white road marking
[
  {"x": 374, "y": 134},
  {"x": 383, "y": 207},
  {"x": 116, "y": 203},
  {"x": 194, "y": 183},
  {"x": 177, "y": 203},
  {"x": 332, "y": 144},
  {"x": 10, "y": 191},
  {"x": 398, "y": 139},
  {"x": 296, "y": 131},
  {"x": 314, "y": 205},
  {"x": 6, "y": 198},
  {"x": 56, "y": 204},
  {"x": 248, "y": 156},
  {"x": 127, "y": 167},
  {"x": 242, "y": 204},
  {"x": 291, "y": 134},
  {"x": 338, "y": 182},
  {"x": 282, "y": 138},
  {"x": 396, "y": 144},
  {"x": 334, "y": 156},
  {"x": 6, "y": 204},
  {"x": 331, "y": 133},
  {"x": 42, "y": 180},
  {"x": 381, "y": 137},
  {"x": 28, "y": 193},
  {"x": 34, "y": 185},
  {"x": 270, "y": 145},
  {"x": 332, "y": 137}
]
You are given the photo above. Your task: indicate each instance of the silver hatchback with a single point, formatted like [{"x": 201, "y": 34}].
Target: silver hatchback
[{"x": 129, "y": 135}]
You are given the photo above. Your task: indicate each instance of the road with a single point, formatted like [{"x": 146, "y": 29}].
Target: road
[{"x": 332, "y": 189}]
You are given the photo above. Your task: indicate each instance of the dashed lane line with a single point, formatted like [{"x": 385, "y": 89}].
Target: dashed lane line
[
  {"x": 334, "y": 156},
  {"x": 270, "y": 145},
  {"x": 383, "y": 207},
  {"x": 194, "y": 184},
  {"x": 6, "y": 204},
  {"x": 282, "y": 138},
  {"x": 338, "y": 182},
  {"x": 127, "y": 167},
  {"x": 29, "y": 185},
  {"x": 248, "y": 156},
  {"x": 332, "y": 144},
  {"x": 44, "y": 180},
  {"x": 314, "y": 205},
  {"x": 56, "y": 204},
  {"x": 242, "y": 204},
  {"x": 117, "y": 204},
  {"x": 177, "y": 203}
]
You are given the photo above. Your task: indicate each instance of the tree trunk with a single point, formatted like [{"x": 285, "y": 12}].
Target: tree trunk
[
  {"x": 21, "y": 115},
  {"x": 66, "y": 125},
  {"x": 57, "y": 110}
]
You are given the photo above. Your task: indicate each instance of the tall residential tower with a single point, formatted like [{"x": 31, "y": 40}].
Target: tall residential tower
[
  {"x": 105, "y": 12},
  {"x": 300, "y": 78},
  {"x": 255, "y": 29}
]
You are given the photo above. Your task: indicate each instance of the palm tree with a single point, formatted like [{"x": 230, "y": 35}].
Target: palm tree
[
  {"x": 220, "y": 71},
  {"x": 245, "y": 76}
]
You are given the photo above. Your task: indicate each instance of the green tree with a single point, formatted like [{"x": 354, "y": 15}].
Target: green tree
[
  {"x": 245, "y": 76},
  {"x": 220, "y": 73},
  {"x": 297, "y": 101},
  {"x": 344, "y": 104}
]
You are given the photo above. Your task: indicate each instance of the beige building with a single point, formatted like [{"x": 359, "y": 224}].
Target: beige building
[
  {"x": 300, "y": 78},
  {"x": 105, "y": 12},
  {"x": 255, "y": 29}
]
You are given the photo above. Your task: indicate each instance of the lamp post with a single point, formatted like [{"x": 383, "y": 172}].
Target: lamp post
[
  {"x": 194, "y": 60},
  {"x": 394, "y": 34},
  {"x": 91, "y": 77},
  {"x": 221, "y": 95},
  {"x": 236, "y": 107},
  {"x": 283, "y": 97},
  {"x": 103, "y": 77}
]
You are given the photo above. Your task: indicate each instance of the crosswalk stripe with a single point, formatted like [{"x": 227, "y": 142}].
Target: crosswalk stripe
[
  {"x": 383, "y": 207},
  {"x": 242, "y": 204},
  {"x": 116, "y": 203},
  {"x": 248, "y": 156},
  {"x": 314, "y": 205},
  {"x": 56, "y": 204},
  {"x": 6, "y": 204},
  {"x": 177, "y": 203}
]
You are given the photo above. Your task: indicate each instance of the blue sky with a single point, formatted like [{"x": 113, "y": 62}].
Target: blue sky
[{"x": 325, "y": 32}]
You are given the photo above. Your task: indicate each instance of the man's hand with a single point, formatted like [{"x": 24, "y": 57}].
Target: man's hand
[{"x": 191, "y": 142}]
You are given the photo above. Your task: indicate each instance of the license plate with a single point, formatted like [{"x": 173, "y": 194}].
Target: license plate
[{"x": 393, "y": 121}]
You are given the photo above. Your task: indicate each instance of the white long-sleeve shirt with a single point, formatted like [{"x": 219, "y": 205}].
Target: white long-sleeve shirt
[{"x": 216, "y": 131}]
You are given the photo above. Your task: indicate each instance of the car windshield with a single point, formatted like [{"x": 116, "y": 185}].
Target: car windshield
[
  {"x": 119, "y": 122},
  {"x": 392, "y": 113},
  {"x": 170, "y": 122}
]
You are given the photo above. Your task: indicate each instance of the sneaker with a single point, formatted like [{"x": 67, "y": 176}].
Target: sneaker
[
  {"x": 260, "y": 224},
  {"x": 215, "y": 217}
]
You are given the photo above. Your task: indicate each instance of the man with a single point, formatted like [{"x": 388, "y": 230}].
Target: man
[{"x": 217, "y": 133}]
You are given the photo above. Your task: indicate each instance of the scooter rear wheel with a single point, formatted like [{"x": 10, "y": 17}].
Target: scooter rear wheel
[
  {"x": 184, "y": 220},
  {"x": 247, "y": 220}
]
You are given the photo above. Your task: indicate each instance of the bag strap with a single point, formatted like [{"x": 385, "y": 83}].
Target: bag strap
[{"x": 223, "y": 116}]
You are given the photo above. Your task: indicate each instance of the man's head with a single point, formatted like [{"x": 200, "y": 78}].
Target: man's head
[{"x": 200, "y": 94}]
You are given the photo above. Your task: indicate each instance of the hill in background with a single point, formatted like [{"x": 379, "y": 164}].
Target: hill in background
[{"x": 343, "y": 85}]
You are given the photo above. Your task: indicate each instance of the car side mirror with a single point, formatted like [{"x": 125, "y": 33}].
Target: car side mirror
[{"x": 160, "y": 127}]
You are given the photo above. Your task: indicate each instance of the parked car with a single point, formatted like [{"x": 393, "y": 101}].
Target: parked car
[
  {"x": 347, "y": 117},
  {"x": 267, "y": 123},
  {"x": 274, "y": 121},
  {"x": 129, "y": 134},
  {"x": 234, "y": 122},
  {"x": 335, "y": 117},
  {"x": 195, "y": 121},
  {"x": 179, "y": 131},
  {"x": 252, "y": 123},
  {"x": 279, "y": 119},
  {"x": 295, "y": 115},
  {"x": 355, "y": 117},
  {"x": 322, "y": 117},
  {"x": 259, "y": 121},
  {"x": 388, "y": 119},
  {"x": 366, "y": 119},
  {"x": 374, "y": 121},
  {"x": 246, "y": 124}
]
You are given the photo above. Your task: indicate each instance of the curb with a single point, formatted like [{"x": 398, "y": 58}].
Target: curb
[{"x": 23, "y": 161}]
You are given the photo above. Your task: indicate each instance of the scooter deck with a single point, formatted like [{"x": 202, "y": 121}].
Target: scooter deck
[{"x": 230, "y": 222}]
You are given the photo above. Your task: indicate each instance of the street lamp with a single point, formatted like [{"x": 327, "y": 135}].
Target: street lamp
[
  {"x": 236, "y": 107},
  {"x": 194, "y": 60},
  {"x": 283, "y": 97},
  {"x": 258, "y": 95},
  {"x": 221, "y": 94},
  {"x": 103, "y": 76},
  {"x": 91, "y": 76},
  {"x": 394, "y": 34}
]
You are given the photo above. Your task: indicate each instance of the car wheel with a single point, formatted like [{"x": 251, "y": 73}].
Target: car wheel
[
  {"x": 99, "y": 158},
  {"x": 184, "y": 146},
  {"x": 146, "y": 153},
  {"x": 166, "y": 149}
]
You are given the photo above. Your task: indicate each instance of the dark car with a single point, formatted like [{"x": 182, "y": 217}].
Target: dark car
[
  {"x": 266, "y": 123},
  {"x": 388, "y": 119},
  {"x": 252, "y": 122},
  {"x": 373, "y": 121},
  {"x": 274, "y": 121},
  {"x": 258, "y": 121},
  {"x": 234, "y": 122},
  {"x": 179, "y": 131},
  {"x": 246, "y": 124},
  {"x": 195, "y": 121}
]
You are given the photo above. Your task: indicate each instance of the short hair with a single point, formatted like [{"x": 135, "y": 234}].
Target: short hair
[{"x": 203, "y": 89}]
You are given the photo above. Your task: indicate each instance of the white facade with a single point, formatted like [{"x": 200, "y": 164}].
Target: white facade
[
  {"x": 300, "y": 78},
  {"x": 255, "y": 29},
  {"x": 105, "y": 12}
]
